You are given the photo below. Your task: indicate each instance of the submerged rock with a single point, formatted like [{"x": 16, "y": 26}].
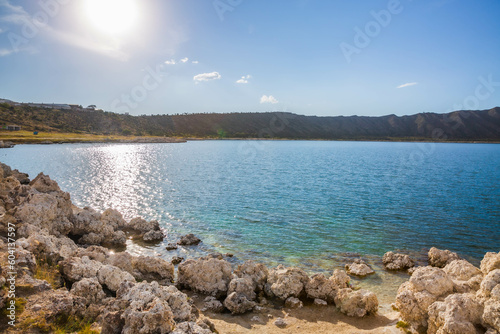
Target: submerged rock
[
  {"x": 359, "y": 268},
  {"x": 188, "y": 240},
  {"x": 397, "y": 261}
]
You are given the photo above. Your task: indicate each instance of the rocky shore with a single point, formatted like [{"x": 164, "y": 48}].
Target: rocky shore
[{"x": 73, "y": 274}]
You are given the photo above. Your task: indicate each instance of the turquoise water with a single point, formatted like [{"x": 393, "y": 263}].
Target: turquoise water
[{"x": 308, "y": 203}]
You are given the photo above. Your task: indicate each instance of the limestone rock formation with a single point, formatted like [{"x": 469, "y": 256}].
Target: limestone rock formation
[
  {"x": 206, "y": 275},
  {"x": 286, "y": 282},
  {"x": 359, "y": 268},
  {"x": 426, "y": 285},
  {"x": 440, "y": 258},
  {"x": 356, "y": 303},
  {"x": 319, "y": 287},
  {"x": 397, "y": 261},
  {"x": 458, "y": 313}
]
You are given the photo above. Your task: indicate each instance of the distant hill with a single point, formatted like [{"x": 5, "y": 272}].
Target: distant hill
[{"x": 465, "y": 125}]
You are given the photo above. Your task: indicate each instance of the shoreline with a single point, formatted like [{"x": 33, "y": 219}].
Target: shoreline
[
  {"x": 75, "y": 255},
  {"x": 26, "y": 137}
]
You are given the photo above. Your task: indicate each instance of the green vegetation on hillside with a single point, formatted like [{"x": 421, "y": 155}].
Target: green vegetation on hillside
[{"x": 456, "y": 126}]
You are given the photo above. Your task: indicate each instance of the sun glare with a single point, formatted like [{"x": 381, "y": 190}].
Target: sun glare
[{"x": 112, "y": 16}]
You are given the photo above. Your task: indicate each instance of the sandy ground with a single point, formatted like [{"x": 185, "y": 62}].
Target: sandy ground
[{"x": 309, "y": 319}]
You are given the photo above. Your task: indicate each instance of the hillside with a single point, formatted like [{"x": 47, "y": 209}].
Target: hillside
[{"x": 479, "y": 125}]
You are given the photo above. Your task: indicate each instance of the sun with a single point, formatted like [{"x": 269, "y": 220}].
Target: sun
[{"x": 112, "y": 16}]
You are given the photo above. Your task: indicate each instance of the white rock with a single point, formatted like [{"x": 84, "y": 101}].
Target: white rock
[{"x": 356, "y": 303}]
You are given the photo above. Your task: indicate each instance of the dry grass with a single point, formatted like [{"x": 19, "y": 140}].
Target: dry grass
[
  {"x": 48, "y": 272},
  {"x": 20, "y": 137}
]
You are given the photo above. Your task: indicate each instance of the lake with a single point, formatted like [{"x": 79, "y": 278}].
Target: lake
[{"x": 308, "y": 203}]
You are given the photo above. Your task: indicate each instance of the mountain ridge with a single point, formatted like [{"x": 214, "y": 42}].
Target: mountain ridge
[{"x": 462, "y": 125}]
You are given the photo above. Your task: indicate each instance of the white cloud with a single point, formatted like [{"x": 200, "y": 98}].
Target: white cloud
[
  {"x": 184, "y": 60},
  {"x": 5, "y": 52},
  {"x": 244, "y": 79},
  {"x": 207, "y": 76},
  {"x": 408, "y": 84},
  {"x": 170, "y": 62},
  {"x": 195, "y": 62},
  {"x": 268, "y": 99}
]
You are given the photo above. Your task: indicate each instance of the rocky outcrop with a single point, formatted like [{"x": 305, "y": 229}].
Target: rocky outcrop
[
  {"x": 284, "y": 282},
  {"x": 440, "y": 258},
  {"x": 319, "y": 287},
  {"x": 357, "y": 303},
  {"x": 466, "y": 278},
  {"x": 212, "y": 304},
  {"x": 238, "y": 303},
  {"x": 112, "y": 277},
  {"x": 188, "y": 240},
  {"x": 491, "y": 261},
  {"x": 207, "y": 275},
  {"x": 359, "y": 268},
  {"x": 151, "y": 268},
  {"x": 397, "y": 261},
  {"x": 91, "y": 229},
  {"x": 255, "y": 272},
  {"x": 75, "y": 268},
  {"x": 426, "y": 285},
  {"x": 458, "y": 313},
  {"x": 89, "y": 289}
]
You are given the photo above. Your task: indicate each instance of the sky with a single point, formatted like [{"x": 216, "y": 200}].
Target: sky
[{"x": 311, "y": 57}]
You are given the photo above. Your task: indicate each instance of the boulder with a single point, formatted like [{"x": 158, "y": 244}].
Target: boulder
[
  {"x": 426, "y": 285},
  {"x": 25, "y": 258},
  {"x": 114, "y": 219},
  {"x": 89, "y": 289},
  {"x": 140, "y": 225},
  {"x": 206, "y": 275},
  {"x": 143, "y": 294},
  {"x": 286, "y": 282},
  {"x": 397, "y": 261},
  {"x": 238, "y": 303},
  {"x": 491, "y": 261},
  {"x": 188, "y": 240},
  {"x": 153, "y": 236},
  {"x": 23, "y": 178},
  {"x": 75, "y": 268},
  {"x": 256, "y": 272},
  {"x": 490, "y": 282},
  {"x": 212, "y": 304},
  {"x": 458, "y": 313},
  {"x": 122, "y": 260},
  {"x": 49, "y": 247},
  {"x": 280, "y": 322},
  {"x": 171, "y": 246},
  {"x": 491, "y": 315},
  {"x": 111, "y": 277},
  {"x": 464, "y": 275},
  {"x": 319, "y": 287},
  {"x": 176, "y": 260},
  {"x": 320, "y": 302},
  {"x": 356, "y": 303},
  {"x": 152, "y": 268},
  {"x": 242, "y": 286},
  {"x": 93, "y": 230},
  {"x": 190, "y": 327},
  {"x": 293, "y": 302},
  {"x": 44, "y": 184},
  {"x": 440, "y": 258},
  {"x": 51, "y": 211},
  {"x": 359, "y": 268}
]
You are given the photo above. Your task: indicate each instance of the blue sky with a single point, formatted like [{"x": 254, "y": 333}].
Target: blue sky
[{"x": 310, "y": 57}]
